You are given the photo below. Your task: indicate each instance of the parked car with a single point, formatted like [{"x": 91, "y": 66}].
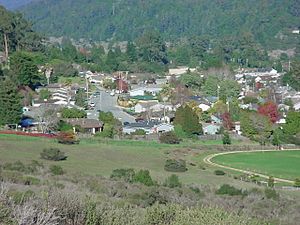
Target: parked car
[{"x": 92, "y": 104}]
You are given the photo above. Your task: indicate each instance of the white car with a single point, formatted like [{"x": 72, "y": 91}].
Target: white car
[
  {"x": 92, "y": 104},
  {"x": 112, "y": 93}
]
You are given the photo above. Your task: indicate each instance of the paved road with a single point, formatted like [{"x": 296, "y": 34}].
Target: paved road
[
  {"x": 107, "y": 103},
  {"x": 208, "y": 159}
]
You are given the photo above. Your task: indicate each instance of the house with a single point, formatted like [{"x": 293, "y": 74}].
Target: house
[
  {"x": 297, "y": 106},
  {"x": 211, "y": 129},
  {"x": 237, "y": 127},
  {"x": 90, "y": 126},
  {"x": 204, "y": 107},
  {"x": 144, "y": 106},
  {"x": 152, "y": 127},
  {"x": 181, "y": 70},
  {"x": 215, "y": 120},
  {"x": 144, "y": 90}
]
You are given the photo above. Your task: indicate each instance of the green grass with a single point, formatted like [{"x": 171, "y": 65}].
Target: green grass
[
  {"x": 100, "y": 157},
  {"x": 281, "y": 164}
]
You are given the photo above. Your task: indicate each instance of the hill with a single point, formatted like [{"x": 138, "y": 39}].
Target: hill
[
  {"x": 14, "y": 4},
  {"x": 269, "y": 21}
]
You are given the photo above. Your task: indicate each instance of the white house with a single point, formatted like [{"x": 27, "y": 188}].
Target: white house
[
  {"x": 144, "y": 106},
  {"x": 162, "y": 128},
  {"x": 143, "y": 90},
  {"x": 204, "y": 107},
  {"x": 297, "y": 106}
]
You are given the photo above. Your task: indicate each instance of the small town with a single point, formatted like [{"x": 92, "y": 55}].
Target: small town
[{"x": 121, "y": 112}]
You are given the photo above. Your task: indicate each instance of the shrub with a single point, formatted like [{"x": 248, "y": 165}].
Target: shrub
[
  {"x": 173, "y": 165},
  {"x": 143, "y": 176},
  {"x": 271, "y": 182},
  {"x": 271, "y": 194},
  {"x": 53, "y": 154},
  {"x": 56, "y": 170},
  {"x": 21, "y": 197},
  {"x": 108, "y": 132},
  {"x": 139, "y": 132},
  {"x": 19, "y": 166},
  {"x": 297, "y": 183},
  {"x": 219, "y": 172},
  {"x": 67, "y": 138},
  {"x": 226, "y": 139},
  {"x": 226, "y": 189},
  {"x": 126, "y": 174},
  {"x": 28, "y": 180},
  {"x": 172, "y": 181},
  {"x": 169, "y": 138}
]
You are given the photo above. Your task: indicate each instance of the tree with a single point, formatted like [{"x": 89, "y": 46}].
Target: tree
[
  {"x": 269, "y": 109},
  {"x": 292, "y": 125},
  {"x": 188, "y": 120},
  {"x": 152, "y": 47},
  {"x": 192, "y": 80},
  {"x": 227, "y": 122},
  {"x": 292, "y": 78},
  {"x": 131, "y": 51},
  {"x": 10, "y": 101},
  {"x": 73, "y": 113},
  {"x": 229, "y": 89},
  {"x": 211, "y": 86},
  {"x": 256, "y": 126},
  {"x": 80, "y": 98},
  {"x": 24, "y": 70}
]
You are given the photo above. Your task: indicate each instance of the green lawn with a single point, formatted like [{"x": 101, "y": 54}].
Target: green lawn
[
  {"x": 100, "y": 157},
  {"x": 282, "y": 164}
]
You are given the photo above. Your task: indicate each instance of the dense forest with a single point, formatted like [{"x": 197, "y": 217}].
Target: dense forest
[{"x": 270, "y": 21}]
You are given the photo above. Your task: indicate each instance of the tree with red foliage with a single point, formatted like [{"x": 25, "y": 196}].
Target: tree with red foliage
[
  {"x": 227, "y": 122},
  {"x": 270, "y": 110}
]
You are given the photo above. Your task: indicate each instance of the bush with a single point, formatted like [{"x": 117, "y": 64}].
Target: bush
[
  {"x": 172, "y": 181},
  {"x": 108, "y": 132},
  {"x": 19, "y": 166},
  {"x": 67, "y": 138},
  {"x": 126, "y": 174},
  {"x": 139, "y": 132},
  {"x": 53, "y": 154},
  {"x": 271, "y": 182},
  {"x": 56, "y": 170},
  {"x": 169, "y": 138},
  {"x": 226, "y": 139},
  {"x": 143, "y": 176},
  {"x": 226, "y": 189},
  {"x": 28, "y": 180},
  {"x": 297, "y": 183},
  {"x": 219, "y": 172},
  {"x": 271, "y": 194},
  {"x": 173, "y": 165}
]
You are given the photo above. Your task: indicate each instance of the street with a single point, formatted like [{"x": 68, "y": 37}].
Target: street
[{"x": 107, "y": 103}]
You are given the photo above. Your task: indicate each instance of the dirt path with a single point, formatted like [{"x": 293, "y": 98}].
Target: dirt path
[{"x": 208, "y": 159}]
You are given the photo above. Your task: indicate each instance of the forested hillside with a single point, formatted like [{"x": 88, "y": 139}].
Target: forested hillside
[{"x": 127, "y": 19}]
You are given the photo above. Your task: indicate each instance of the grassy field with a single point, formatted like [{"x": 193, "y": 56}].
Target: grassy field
[
  {"x": 282, "y": 164},
  {"x": 100, "y": 157}
]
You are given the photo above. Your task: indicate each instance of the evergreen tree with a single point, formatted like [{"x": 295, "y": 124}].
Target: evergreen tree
[
  {"x": 23, "y": 69},
  {"x": 10, "y": 101},
  {"x": 188, "y": 120},
  {"x": 131, "y": 52}
]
